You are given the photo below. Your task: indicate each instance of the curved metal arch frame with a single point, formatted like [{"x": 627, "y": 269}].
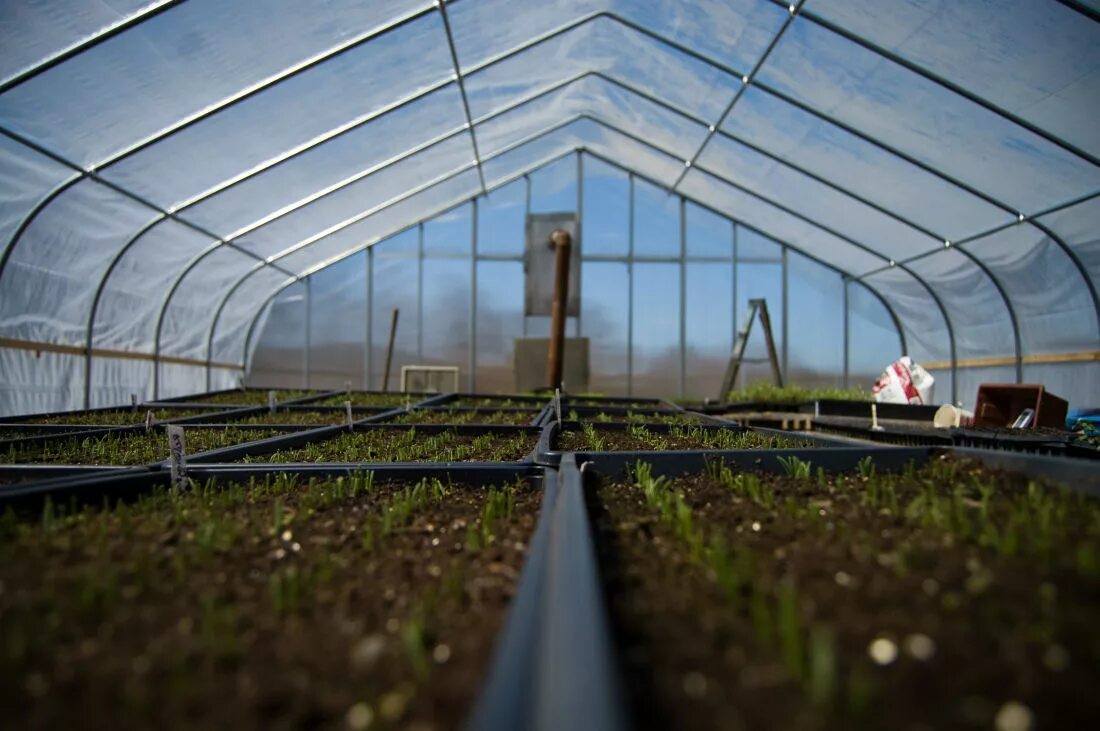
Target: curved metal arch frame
[
  {"x": 1013, "y": 319},
  {"x": 527, "y": 172},
  {"x": 998, "y": 286},
  {"x": 935, "y": 297},
  {"x": 691, "y": 53}
]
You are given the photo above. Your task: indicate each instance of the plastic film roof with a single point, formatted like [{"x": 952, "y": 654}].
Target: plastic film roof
[{"x": 168, "y": 166}]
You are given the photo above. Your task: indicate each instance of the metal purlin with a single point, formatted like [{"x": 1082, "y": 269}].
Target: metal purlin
[
  {"x": 792, "y": 12},
  {"x": 495, "y": 60},
  {"x": 524, "y": 173},
  {"x": 92, "y": 41},
  {"x": 575, "y": 23},
  {"x": 92, "y": 171},
  {"x": 462, "y": 91},
  {"x": 645, "y": 95},
  {"x": 945, "y": 84},
  {"x": 1085, "y": 10},
  {"x": 629, "y": 24},
  {"x": 1014, "y": 321},
  {"x": 935, "y": 297}
]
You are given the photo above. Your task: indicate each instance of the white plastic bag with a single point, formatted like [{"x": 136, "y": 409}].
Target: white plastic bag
[{"x": 904, "y": 382}]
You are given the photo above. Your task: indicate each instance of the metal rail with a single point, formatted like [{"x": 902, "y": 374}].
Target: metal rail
[{"x": 555, "y": 666}]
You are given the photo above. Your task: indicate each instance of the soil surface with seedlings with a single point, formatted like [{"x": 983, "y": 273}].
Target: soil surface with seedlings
[
  {"x": 135, "y": 448},
  {"x": 948, "y": 597},
  {"x": 637, "y": 438},
  {"x": 8, "y": 433},
  {"x": 299, "y": 416},
  {"x": 571, "y": 403},
  {"x": 673, "y": 418},
  {"x": 407, "y": 445},
  {"x": 371, "y": 399},
  {"x": 464, "y": 416},
  {"x": 250, "y": 397},
  {"x": 277, "y": 605},
  {"x": 122, "y": 417},
  {"x": 498, "y": 402}
]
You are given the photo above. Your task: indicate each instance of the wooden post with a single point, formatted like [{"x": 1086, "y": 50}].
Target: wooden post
[
  {"x": 389, "y": 351},
  {"x": 562, "y": 242}
]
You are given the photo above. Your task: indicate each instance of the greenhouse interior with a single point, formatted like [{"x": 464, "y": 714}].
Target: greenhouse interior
[{"x": 605, "y": 364}]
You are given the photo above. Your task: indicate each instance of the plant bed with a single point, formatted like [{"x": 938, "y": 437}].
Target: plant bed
[
  {"x": 249, "y": 397},
  {"x": 121, "y": 417},
  {"x": 409, "y": 445},
  {"x": 124, "y": 448},
  {"x": 673, "y": 418},
  {"x": 949, "y": 596},
  {"x": 498, "y": 402},
  {"x": 299, "y": 416},
  {"x": 346, "y": 603},
  {"x": 388, "y": 400},
  {"x": 8, "y": 433},
  {"x": 514, "y": 417},
  {"x": 636, "y": 438},
  {"x": 571, "y": 403},
  {"x": 769, "y": 394}
]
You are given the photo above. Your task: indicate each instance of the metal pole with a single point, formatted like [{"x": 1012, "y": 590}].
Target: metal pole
[
  {"x": 577, "y": 235},
  {"x": 733, "y": 323},
  {"x": 389, "y": 351},
  {"x": 367, "y": 360},
  {"x": 630, "y": 292},
  {"x": 783, "y": 325},
  {"x": 847, "y": 330},
  {"x": 471, "y": 378},
  {"x": 683, "y": 296},
  {"x": 420, "y": 290},
  {"x": 526, "y": 216},
  {"x": 562, "y": 245},
  {"x": 308, "y": 334}
]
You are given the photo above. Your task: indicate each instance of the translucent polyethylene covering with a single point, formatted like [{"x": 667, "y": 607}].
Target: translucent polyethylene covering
[{"x": 137, "y": 139}]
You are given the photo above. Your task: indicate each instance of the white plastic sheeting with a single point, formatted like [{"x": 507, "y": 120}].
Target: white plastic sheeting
[{"x": 167, "y": 166}]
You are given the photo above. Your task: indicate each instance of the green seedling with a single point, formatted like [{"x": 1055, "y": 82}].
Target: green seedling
[{"x": 795, "y": 467}]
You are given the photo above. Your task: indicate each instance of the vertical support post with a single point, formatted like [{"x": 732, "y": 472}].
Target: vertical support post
[
  {"x": 562, "y": 245},
  {"x": 420, "y": 290},
  {"x": 367, "y": 372},
  {"x": 733, "y": 322},
  {"x": 389, "y": 350},
  {"x": 630, "y": 290},
  {"x": 783, "y": 325},
  {"x": 88, "y": 377},
  {"x": 526, "y": 215},
  {"x": 471, "y": 378},
  {"x": 683, "y": 297},
  {"x": 580, "y": 224},
  {"x": 847, "y": 330},
  {"x": 308, "y": 331}
]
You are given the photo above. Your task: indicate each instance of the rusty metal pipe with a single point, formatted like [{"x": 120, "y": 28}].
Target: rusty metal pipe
[{"x": 562, "y": 243}]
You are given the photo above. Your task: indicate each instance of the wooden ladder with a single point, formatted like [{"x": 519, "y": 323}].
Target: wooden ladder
[{"x": 738, "y": 354}]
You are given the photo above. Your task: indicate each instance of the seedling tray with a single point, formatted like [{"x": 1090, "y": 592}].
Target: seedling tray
[
  {"x": 248, "y": 397},
  {"x": 456, "y": 415},
  {"x": 558, "y": 658},
  {"x": 358, "y": 585}
]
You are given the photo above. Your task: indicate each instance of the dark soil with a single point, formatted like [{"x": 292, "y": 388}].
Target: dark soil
[
  {"x": 466, "y": 416},
  {"x": 638, "y": 438},
  {"x": 276, "y": 606},
  {"x": 765, "y": 606},
  {"x": 126, "y": 449},
  {"x": 122, "y": 417},
  {"x": 385, "y": 445},
  {"x": 250, "y": 397}
]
